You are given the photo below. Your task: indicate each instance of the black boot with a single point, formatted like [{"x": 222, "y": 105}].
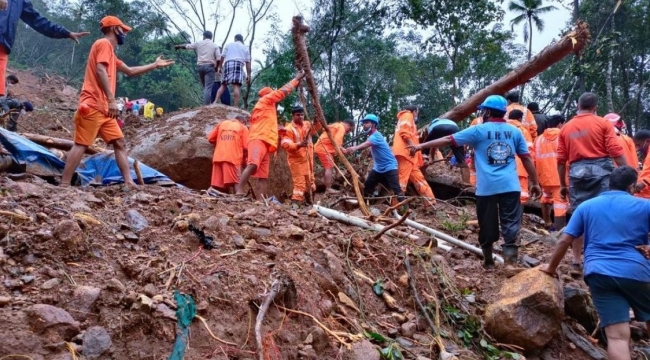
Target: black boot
[
  {"x": 510, "y": 254},
  {"x": 488, "y": 260}
]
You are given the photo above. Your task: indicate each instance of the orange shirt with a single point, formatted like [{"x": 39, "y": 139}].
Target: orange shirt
[
  {"x": 406, "y": 130},
  {"x": 644, "y": 174},
  {"x": 630, "y": 151},
  {"x": 264, "y": 117},
  {"x": 528, "y": 120},
  {"x": 587, "y": 136},
  {"x": 231, "y": 138},
  {"x": 521, "y": 170},
  {"x": 294, "y": 135},
  {"x": 546, "y": 157},
  {"x": 92, "y": 94},
  {"x": 324, "y": 145}
]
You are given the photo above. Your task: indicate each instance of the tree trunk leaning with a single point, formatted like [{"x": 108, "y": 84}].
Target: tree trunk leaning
[
  {"x": 302, "y": 60},
  {"x": 56, "y": 143},
  {"x": 573, "y": 42}
]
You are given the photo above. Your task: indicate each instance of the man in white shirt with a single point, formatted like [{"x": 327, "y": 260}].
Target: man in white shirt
[
  {"x": 235, "y": 56},
  {"x": 207, "y": 58}
]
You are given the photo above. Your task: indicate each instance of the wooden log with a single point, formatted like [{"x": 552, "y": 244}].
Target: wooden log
[
  {"x": 56, "y": 143},
  {"x": 573, "y": 42},
  {"x": 302, "y": 60}
]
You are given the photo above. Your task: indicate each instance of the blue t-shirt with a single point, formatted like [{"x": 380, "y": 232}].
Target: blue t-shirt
[
  {"x": 495, "y": 146},
  {"x": 437, "y": 122},
  {"x": 381, "y": 153},
  {"x": 613, "y": 224}
]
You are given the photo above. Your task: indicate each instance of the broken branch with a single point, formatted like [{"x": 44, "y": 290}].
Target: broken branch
[
  {"x": 138, "y": 174},
  {"x": 205, "y": 323},
  {"x": 61, "y": 144},
  {"x": 276, "y": 287},
  {"x": 325, "y": 328},
  {"x": 415, "y": 293},
  {"x": 393, "y": 225}
]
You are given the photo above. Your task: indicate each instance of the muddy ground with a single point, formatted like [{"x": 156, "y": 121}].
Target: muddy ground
[{"x": 110, "y": 259}]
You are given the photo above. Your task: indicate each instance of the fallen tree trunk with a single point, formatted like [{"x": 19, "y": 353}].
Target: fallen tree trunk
[
  {"x": 573, "y": 42},
  {"x": 351, "y": 220},
  {"x": 61, "y": 144},
  {"x": 302, "y": 60}
]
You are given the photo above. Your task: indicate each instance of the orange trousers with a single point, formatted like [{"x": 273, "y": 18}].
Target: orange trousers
[
  {"x": 523, "y": 182},
  {"x": 551, "y": 195},
  {"x": 302, "y": 177},
  {"x": 409, "y": 172},
  {"x": 4, "y": 59}
]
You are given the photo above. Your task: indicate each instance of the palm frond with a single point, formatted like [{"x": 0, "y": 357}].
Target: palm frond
[
  {"x": 516, "y": 7},
  {"x": 517, "y": 20},
  {"x": 545, "y": 9},
  {"x": 539, "y": 23}
]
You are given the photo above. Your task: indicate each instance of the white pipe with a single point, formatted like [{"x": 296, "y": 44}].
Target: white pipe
[
  {"x": 444, "y": 238},
  {"x": 351, "y": 220}
]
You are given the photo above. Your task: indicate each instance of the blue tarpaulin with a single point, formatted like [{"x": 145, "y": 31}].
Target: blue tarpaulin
[{"x": 97, "y": 169}]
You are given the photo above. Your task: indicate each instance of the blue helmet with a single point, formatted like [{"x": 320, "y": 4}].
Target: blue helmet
[
  {"x": 494, "y": 102},
  {"x": 371, "y": 117}
]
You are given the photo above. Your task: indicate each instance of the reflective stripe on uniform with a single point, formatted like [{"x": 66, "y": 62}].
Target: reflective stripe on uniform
[{"x": 546, "y": 156}]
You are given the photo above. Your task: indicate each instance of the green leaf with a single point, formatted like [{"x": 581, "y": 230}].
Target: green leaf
[
  {"x": 378, "y": 287},
  {"x": 374, "y": 336}
]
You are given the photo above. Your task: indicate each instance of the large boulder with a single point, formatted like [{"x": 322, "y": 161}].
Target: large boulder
[
  {"x": 578, "y": 305},
  {"x": 528, "y": 312},
  {"x": 178, "y": 147}
]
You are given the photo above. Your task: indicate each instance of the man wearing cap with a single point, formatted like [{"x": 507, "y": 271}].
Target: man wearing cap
[
  {"x": 98, "y": 110},
  {"x": 10, "y": 12},
  {"x": 263, "y": 136},
  {"x": 11, "y": 110},
  {"x": 626, "y": 142},
  {"x": 297, "y": 142},
  {"x": 496, "y": 144},
  {"x": 384, "y": 170},
  {"x": 235, "y": 56},
  {"x": 207, "y": 58}
]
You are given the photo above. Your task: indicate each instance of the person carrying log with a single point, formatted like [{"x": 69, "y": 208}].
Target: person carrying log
[
  {"x": 296, "y": 141},
  {"x": 642, "y": 143},
  {"x": 384, "y": 170},
  {"x": 325, "y": 152},
  {"x": 263, "y": 136},
  {"x": 496, "y": 144},
  {"x": 617, "y": 257},
  {"x": 98, "y": 112},
  {"x": 549, "y": 179},
  {"x": 514, "y": 119},
  {"x": 230, "y": 138},
  {"x": 626, "y": 142},
  {"x": 439, "y": 128},
  {"x": 408, "y": 167},
  {"x": 528, "y": 120}
]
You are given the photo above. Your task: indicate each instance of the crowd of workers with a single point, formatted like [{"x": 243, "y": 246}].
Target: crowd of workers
[{"x": 586, "y": 167}]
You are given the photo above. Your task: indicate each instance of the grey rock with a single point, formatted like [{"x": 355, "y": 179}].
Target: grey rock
[
  {"x": 136, "y": 221},
  {"x": 262, "y": 232},
  {"x": 365, "y": 350},
  {"x": 404, "y": 342},
  {"x": 578, "y": 305},
  {"x": 320, "y": 340},
  {"x": 96, "y": 341},
  {"x": 239, "y": 241},
  {"x": 50, "y": 284},
  {"x": 129, "y": 236},
  {"x": 530, "y": 261},
  {"x": 52, "y": 321},
  {"x": 408, "y": 329},
  {"x": 80, "y": 206},
  {"x": 164, "y": 311},
  {"x": 150, "y": 290},
  {"x": 115, "y": 285},
  {"x": 27, "y": 279}
]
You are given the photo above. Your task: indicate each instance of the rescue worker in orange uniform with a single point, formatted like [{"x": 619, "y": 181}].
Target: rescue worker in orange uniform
[
  {"x": 408, "y": 167},
  {"x": 528, "y": 118},
  {"x": 626, "y": 142},
  {"x": 263, "y": 136},
  {"x": 514, "y": 118},
  {"x": 325, "y": 150},
  {"x": 642, "y": 142},
  {"x": 549, "y": 179},
  {"x": 230, "y": 138},
  {"x": 296, "y": 141}
]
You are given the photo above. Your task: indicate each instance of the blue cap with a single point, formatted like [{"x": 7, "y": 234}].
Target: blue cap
[
  {"x": 494, "y": 102},
  {"x": 371, "y": 117}
]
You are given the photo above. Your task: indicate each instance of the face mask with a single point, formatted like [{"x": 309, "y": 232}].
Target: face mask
[
  {"x": 23, "y": 112},
  {"x": 120, "y": 38}
]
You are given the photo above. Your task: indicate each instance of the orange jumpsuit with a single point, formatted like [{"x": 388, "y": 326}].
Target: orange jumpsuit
[
  {"x": 263, "y": 134},
  {"x": 521, "y": 171},
  {"x": 546, "y": 167},
  {"x": 409, "y": 166},
  {"x": 528, "y": 121},
  {"x": 472, "y": 167},
  {"x": 324, "y": 148},
  {"x": 630, "y": 150},
  {"x": 230, "y": 138},
  {"x": 301, "y": 159},
  {"x": 644, "y": 177}
]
